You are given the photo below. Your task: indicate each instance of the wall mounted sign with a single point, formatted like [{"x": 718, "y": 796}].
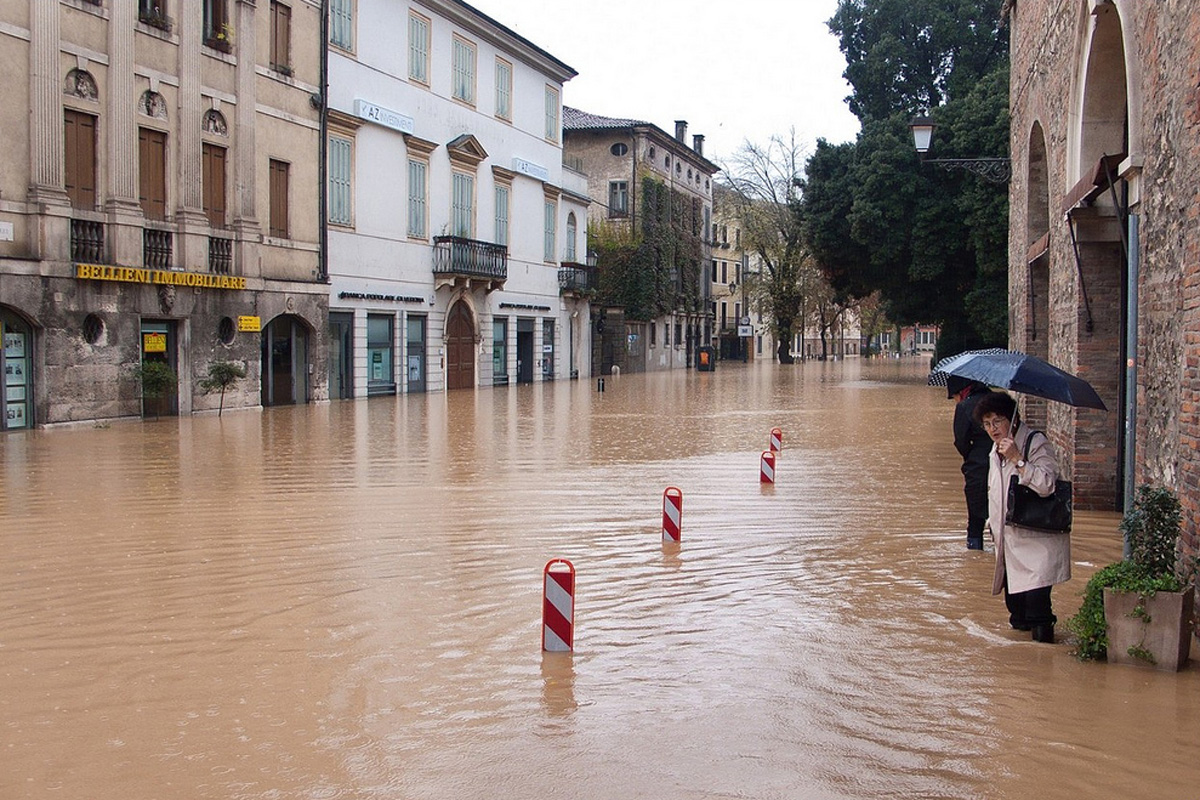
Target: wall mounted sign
[
  {"x": 250, "y": 324},
  {"x": 531, "y": 169},
  {"x": 382, "y": 116},
  {"x": 154, "y": 343},
  {"x": 196, "y": 280}
]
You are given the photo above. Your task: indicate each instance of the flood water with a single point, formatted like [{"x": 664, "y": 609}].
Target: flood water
[{"x": 344, "y": 601}]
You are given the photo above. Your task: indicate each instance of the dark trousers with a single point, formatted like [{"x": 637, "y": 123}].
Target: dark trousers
[
  {"x": 977, "y": 509},
  {"x": 1027, "y": 609}
]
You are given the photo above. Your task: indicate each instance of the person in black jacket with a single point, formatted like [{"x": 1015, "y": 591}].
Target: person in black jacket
[{"x": 973, "y": 444}]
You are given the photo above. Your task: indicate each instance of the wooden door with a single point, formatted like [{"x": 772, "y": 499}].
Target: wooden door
[{"x": 460, "y": 348}]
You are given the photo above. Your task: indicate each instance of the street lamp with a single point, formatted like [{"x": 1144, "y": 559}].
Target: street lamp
[{"x": 992, "y": 170}]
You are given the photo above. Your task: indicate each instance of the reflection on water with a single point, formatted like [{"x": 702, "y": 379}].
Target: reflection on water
[{"x": 344, "y": 601}]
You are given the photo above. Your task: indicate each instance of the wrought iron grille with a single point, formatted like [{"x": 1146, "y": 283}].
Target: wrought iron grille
[{"x": 454, "y": 255}]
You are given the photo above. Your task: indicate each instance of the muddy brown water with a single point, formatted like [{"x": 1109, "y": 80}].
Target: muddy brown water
[{"x": 343, "y": 601}]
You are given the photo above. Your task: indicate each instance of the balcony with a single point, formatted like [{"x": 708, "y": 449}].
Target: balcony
[
  {"x": 220, "y": 255},
  {"x": 576, "y": 279},
  {"x": 87, "y": 241},
  {"x": 470, "y": 263},
  {"x": 156, "y": 248}
]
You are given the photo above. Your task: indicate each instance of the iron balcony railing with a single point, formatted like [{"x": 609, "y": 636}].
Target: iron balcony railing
[
  {"x": 579, "y": 278},
  {"x": 87, "y": 241},
  {"x": 455, "y": 255},
  {"x": 156, "y": 248}
]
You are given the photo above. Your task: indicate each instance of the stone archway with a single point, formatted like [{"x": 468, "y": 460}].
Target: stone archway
[
  {"x": 285, "y": 361},
  {"x": 460, "y": 347},
  {"x": 1094, "y": 324}
]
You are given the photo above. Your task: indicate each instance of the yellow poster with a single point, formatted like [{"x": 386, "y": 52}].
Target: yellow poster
[{"x": 154, "y": 343}]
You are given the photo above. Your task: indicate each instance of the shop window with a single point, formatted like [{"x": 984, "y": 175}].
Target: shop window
[{"x": 379, "y": 354}]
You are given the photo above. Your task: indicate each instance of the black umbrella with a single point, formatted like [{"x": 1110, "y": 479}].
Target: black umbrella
[
  {"x": 1023, "y": 373},
  {"x": 938, "y": 376}
]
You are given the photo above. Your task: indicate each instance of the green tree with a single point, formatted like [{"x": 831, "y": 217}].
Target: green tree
[
  {"x": 221, "y": 376},
  {"x": 766, "y": 182},
  {"x": 932, "y": 241}
]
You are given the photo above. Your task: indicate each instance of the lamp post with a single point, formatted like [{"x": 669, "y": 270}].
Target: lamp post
[{"x": 992, "y": 170}]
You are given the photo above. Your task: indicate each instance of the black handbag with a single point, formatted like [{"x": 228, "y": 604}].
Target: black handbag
[{"x": 1028, "y": 509}]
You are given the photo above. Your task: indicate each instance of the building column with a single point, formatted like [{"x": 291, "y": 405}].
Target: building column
[
  {"x": 121, "y": 204},
  {"x": 47, "y": 185},
  {"x": 245, "y": 219},
  {"x": 192, "y": 253}
]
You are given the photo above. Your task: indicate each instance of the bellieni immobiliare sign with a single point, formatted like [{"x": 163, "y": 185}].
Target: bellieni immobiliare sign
[{"x": 161, "y": 277}]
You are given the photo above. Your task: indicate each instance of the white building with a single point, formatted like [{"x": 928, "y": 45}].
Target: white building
[{"x": 457, "y": 239}]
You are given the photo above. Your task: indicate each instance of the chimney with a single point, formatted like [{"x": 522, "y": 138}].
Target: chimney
[
  {"x": 681, "y": 130},
  {"x": 698, "y": 144}
]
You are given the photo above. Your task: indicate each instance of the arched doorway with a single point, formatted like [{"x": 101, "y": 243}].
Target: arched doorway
[
  {"x": 460, "y": 347},
  {"x": 17, "y": 397},
  {"x": 1097, "y": 220},
  {"x": 285, "y": 361}
]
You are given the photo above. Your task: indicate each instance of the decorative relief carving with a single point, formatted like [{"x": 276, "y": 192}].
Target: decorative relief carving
[
  {"x": 81, "y": 84},
  {"x": 153, "y": 104},
  {"x": 214, "y": 122}
]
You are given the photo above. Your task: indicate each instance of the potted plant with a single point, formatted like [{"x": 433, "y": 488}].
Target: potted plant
[
  {"x": 158, "y": 380},
  {"x": 222, "y": 375},
  {"x": 1139, "y": 611}
]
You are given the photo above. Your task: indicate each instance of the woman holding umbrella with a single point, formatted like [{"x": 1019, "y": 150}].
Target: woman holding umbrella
[{"x": 1028, "y": 562}]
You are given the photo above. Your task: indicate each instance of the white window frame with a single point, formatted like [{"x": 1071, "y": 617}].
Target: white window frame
[
  {"x": 503, "y": 209},
  {"x": 621, "y": 210},
  {"x": 341, "y": 180},
  {"x": 552, "y": 111},
  {"x": 418, "y": 47},
  {"x": 504, "y": 89},
  {"x": 462, "y": 76},
  {"x": 418, "y": 198},
  {"x": 462, "y": 205}
]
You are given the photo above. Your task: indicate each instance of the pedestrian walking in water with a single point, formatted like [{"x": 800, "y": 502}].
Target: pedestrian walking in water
[
  {"x": 974, "y": 445},
  {"x": 1028, "y": 562}
]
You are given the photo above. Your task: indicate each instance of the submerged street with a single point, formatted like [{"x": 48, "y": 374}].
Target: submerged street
[{"x": 344, "y": 600}]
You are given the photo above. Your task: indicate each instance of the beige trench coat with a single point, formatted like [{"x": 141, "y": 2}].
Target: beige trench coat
[{"x": 1031, "y": 558}]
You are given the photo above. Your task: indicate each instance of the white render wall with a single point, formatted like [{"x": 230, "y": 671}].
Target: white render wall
[{"x": 375, "y": 257}]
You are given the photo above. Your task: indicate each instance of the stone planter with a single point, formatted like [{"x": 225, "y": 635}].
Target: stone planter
[{"x": 1166, "y": 635}]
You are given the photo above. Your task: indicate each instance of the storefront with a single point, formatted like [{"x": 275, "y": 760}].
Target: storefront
[{"x": 18, "y": 375}]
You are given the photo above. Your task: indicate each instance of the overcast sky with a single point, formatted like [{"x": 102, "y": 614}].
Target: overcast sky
[{"x": 735, "y": 71}]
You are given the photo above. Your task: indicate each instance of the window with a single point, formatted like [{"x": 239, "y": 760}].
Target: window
[
  {"x": 714, "y": 271},
  {"x": 379, "y": 353},
  {"x": 341, "y": 23},
  {"x": 724, "y": 314},
  {"x": 418, "y": 48},
  {"x": 152, "y": 173},
  {"x": 724, "y": 272},
  {"x": 281, "y": 37},
  {"x": 462, "y": 209},
  {"x": 152, "y": 13},
  {"x": 678, "y": 333},
  {"x": 551, "y": 114},
  {"x": 278, "y": 223},
  {"x": 551, "y": 219},
  {"x": 653, "y": 334},
  {"x": 463, "y": 85},
  {"x": 341, "y": 163},
  {"x": 500, "y": 349},
  {"x": 217, "y": 30},
  {"x": 571, "y": 228},
  {"x": 212, "y": 183},
  {"x": 418, "y": 172},
  {"x": 619, "y": 149},
  {"x": 618, "y": 198},
  {"x": 504, "y": 77},
  {"x": 502, "y": 198},
  {"x": 79, "y": 135}
]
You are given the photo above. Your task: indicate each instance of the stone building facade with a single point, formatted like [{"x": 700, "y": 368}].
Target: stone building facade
[
  {"x": 152, "y": 207},
  {"x": 619, "y": 156},
  {"x": 457, "y": 237},
  {"x": 1104, "y": 258}
]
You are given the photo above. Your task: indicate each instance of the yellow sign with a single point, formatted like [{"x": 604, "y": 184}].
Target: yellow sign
[
  {"x": 154, "y": 343},
  {"x": 198, "y": 280},
  {"x": 251, "y": 324}
]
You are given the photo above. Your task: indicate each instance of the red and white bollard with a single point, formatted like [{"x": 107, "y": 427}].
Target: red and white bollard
[
  {"x": 672, "y": 519},
  {"x": 776, "y": 440},
  {"x": 766, "y": 472},
  {"x": 558, "y": 606}
]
